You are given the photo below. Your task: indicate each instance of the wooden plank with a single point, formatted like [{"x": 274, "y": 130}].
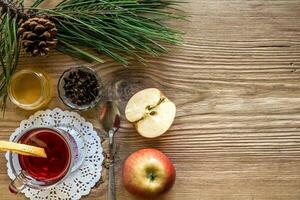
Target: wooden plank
[{"x": 235, "y": 81}]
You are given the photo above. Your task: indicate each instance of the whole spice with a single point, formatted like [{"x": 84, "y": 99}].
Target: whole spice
[{"x": 81, "y": 87}]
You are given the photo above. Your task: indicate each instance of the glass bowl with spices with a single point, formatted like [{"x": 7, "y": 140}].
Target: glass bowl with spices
[
  {"x": 80, "y": 88},
  {"x": 30, "y": 89}
]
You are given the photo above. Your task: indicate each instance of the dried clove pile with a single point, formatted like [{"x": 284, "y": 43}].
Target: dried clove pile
[{"x": 81, "y": 87}]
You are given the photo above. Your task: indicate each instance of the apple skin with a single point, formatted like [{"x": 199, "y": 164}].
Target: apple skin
[{"x": 139, "y": 167}]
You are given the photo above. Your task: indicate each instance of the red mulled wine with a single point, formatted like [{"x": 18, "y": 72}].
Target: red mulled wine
[{"x": 56, "y": 165}]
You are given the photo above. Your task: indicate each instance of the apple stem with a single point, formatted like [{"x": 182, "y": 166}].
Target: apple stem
[{"x": 152, "y": 176}]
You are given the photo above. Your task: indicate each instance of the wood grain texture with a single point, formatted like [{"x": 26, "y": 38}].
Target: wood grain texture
[{"x": 236, "y": 83}]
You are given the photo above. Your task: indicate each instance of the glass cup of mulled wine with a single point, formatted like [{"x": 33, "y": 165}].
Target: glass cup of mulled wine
[{"x": 43, "y": 173}]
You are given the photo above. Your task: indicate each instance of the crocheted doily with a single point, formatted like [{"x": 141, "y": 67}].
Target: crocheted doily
[{"x": 86, "y": 175}]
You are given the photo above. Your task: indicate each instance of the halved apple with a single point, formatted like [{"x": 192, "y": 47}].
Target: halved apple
[{"x": 151, "y": 112}]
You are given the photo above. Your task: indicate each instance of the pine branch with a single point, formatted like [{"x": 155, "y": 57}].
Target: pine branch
[
  {"x": 13, "y": 7},
  {"x": 9, "y": 51},
  {"x": 121, "y": 29}
]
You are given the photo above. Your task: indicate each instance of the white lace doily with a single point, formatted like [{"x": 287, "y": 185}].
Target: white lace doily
[{"x": 81, "y": 181}]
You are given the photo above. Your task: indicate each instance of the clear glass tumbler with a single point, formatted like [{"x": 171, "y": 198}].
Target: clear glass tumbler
[{"x": 24, "y": 177}]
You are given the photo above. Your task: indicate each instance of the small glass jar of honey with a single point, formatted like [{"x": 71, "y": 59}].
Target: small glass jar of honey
[{"x": 30, "y": 89}]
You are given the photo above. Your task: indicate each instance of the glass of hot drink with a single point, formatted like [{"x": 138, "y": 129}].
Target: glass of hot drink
[{"x": 41, "y": 173}]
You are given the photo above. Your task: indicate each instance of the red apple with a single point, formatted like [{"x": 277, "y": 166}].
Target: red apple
[{"x": 148, "y": 173}]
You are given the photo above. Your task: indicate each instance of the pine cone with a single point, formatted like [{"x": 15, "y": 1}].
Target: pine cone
[{"x": 38, "y": 35}]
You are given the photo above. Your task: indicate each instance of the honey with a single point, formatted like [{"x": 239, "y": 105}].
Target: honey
[
  {"x": 27, "y": 88},
  {"x": 30, "y": 89}
]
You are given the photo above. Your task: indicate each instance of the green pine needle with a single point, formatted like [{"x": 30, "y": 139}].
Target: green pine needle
[
  {"x": 121, "y": 29},
  {"x": 9, "y": 52}
]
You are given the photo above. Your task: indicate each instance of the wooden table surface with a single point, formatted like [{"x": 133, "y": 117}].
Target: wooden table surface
[{"x": 236, "y": 83}]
